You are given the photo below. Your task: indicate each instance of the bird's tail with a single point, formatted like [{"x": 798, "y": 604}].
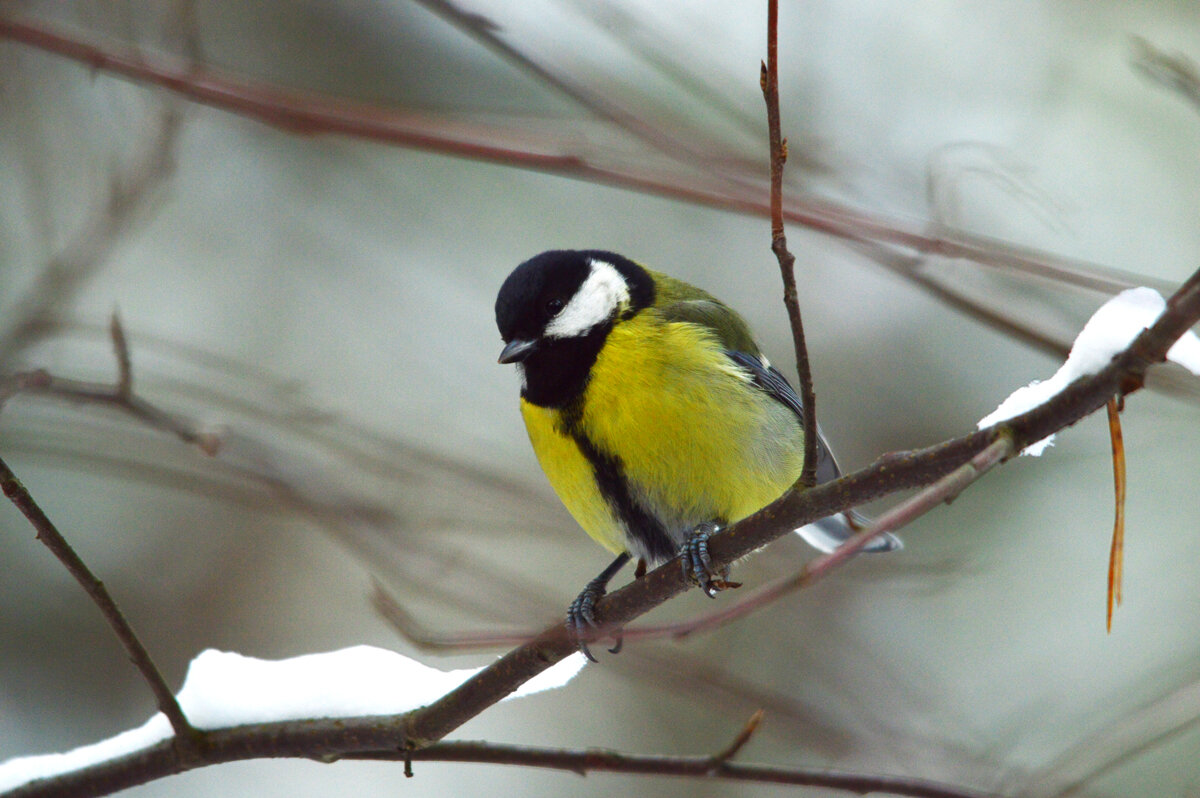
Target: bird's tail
[{"x": 830, "y": 532}]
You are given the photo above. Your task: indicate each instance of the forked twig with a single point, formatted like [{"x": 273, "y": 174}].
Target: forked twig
[{"x": 118, "y": 395}]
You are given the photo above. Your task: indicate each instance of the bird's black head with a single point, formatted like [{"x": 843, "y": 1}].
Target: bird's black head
[{"x": 554, "y": 312}]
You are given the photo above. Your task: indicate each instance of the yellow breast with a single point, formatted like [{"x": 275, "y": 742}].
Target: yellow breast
[
  {"x": 571, "y": 476},
  {"x": 696, "y": 441}
]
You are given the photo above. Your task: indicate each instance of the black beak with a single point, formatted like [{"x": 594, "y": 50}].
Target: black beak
[{"x": 517, "y": 350}]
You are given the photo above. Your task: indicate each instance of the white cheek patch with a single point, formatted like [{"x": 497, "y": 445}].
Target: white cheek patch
[{"x": 602, "y": 293}]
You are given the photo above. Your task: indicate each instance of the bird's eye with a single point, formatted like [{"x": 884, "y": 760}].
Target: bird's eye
[{"x": 553, "y": 306}]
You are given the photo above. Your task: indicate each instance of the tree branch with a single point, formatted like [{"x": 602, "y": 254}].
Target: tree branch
[
  {"x": 307, "y": 739},
  {"x": 769, "y": 81},
  {"x": 185, "y": 741},
  {"x": 895, "y": 518}
]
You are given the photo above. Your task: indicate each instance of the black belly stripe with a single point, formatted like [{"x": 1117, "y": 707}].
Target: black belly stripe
[{"x": 609, "y": 472}]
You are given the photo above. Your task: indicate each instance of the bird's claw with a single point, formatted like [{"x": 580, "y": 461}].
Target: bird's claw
[
  {"x": 581, "y": 617},
  {"x": 697, "y": 564}
]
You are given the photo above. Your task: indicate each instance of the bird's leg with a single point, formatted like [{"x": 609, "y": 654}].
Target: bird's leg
[
  {"x": 581, "y": 615},
  {"x": 697, "y": 565}
]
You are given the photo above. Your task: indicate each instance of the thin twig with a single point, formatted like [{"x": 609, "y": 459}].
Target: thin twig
[
  {"x": 593, "y": 761},
  {"x": 118, "y": 395},
  {"x": 40, "y": 382},
  {"x": 49, "y": 535},
  {"x": 124, "y": 386},
  {"x": 726, "y": 754},
  {"x": 769, "y": 81},
  {"x": 490, "y": 35},
  {"x": 1116, "y": 552}
]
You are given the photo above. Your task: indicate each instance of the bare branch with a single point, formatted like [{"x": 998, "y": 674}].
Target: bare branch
[
  {"x": 41, "y": 382},
  {"x": 592, "y": 761},
  {"x": 119, "y": 395},
  {"x": 185, "y": 736},
  {"x": 941, "y": 492},
  {"x": 769, "y": 80},
  {"x": 307, "y": 739}
]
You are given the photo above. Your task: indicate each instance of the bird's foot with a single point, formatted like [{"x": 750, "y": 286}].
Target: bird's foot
[
  {"x": 581, "y": 616},
  {"x": 697, "y": 565}
]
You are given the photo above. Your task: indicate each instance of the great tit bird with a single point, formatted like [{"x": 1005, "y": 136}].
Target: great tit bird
[{"x": 653, "y": 412}]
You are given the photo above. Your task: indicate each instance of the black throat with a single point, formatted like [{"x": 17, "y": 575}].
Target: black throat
[{"x": 557, "y": 373}]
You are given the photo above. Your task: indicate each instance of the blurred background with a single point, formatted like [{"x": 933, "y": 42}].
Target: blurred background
[{"x": 322, "y": 303}]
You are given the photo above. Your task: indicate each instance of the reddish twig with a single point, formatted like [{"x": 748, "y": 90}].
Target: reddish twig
[
  {"x": 769, "y": 81},
  {"x": 1116, "y": 553},
  {"x": 593, "y": 761}
]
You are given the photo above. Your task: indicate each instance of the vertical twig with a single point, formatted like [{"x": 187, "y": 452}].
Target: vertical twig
[
  {"x": 1116, "y": 553},
  {"x": 124, "y": 386},
  {"x": 769, "y": 82},
  {"x": 48, "y": 534}
]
